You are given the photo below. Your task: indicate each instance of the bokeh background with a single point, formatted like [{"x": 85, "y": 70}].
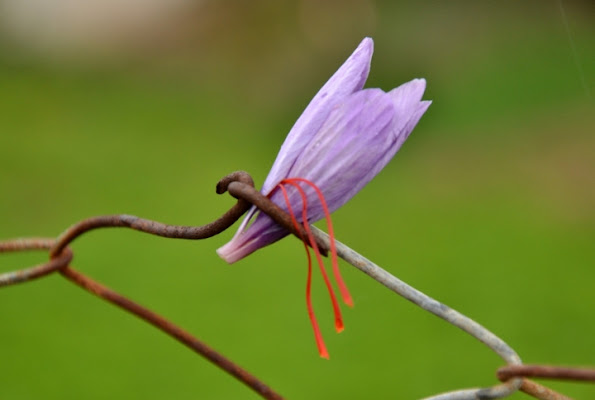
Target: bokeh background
[{"x": 141, "y": 106}]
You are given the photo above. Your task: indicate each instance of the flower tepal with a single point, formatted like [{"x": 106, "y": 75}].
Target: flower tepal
[{"x": 344, "y": 137}]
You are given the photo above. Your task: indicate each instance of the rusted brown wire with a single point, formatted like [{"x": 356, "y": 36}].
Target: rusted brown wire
[
  {"x": 240, "y": 185},
  {"x": 172, "y": 330},
  {"x": 61, "y": 255},
  {"x": 546, "y": 372},
  {"x": 540, "y": 392},
  {"x": 59, "y": 261},
  {"x": 159, "y": 229}
]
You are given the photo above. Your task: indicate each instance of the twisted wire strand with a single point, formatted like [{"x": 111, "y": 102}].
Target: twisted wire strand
[{"x": 23, "y": 275}]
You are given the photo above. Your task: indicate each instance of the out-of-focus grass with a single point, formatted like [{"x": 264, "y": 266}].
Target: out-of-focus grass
[{"x": 489, "y": 207}]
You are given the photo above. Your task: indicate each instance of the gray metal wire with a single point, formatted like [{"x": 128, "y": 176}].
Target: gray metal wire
[{"x": 441, "y": 310}]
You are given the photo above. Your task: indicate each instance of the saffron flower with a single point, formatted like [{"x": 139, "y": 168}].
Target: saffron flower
[{"x": 344, "y": 137}]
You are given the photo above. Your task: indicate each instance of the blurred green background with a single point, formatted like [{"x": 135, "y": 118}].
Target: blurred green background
[{"x": 141, "y": 107}]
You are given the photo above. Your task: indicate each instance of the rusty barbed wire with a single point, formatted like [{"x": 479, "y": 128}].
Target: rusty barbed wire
[{"x": 241, "y": 186}]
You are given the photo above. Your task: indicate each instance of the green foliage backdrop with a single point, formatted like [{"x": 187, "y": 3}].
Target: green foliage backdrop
[{"x": 489, "y": 206}]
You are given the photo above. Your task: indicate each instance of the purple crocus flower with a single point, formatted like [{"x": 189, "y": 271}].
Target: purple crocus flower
[
  {"x": 341, "y": 141},
  {"x": 344, "y": 137}
]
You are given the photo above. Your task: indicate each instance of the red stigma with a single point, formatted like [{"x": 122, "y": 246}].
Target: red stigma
[
  {"x": 327, "y": 215},
  {"x": 309, "y": 240}
]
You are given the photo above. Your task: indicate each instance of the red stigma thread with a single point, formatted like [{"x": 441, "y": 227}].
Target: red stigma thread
[
  {"x": 327, "y": 215},
  {"x": 317, "y": 334},
  {"x": 338, "y": 318},
  {"x": 342, "y": 287}
]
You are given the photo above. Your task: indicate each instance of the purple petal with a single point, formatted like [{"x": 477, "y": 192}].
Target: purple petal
[
  {"x": 345, "y": 148},
  {"x": 342, "y": 140},
  {"x": 409, "y": 107},
  {"x": 262, "y": 232},
  {"x": 408, "y": 111},
  {"x": 341, "y": 151},
  {"x": 349, "y": 151},
  {"x": 349, "y": 78}
]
